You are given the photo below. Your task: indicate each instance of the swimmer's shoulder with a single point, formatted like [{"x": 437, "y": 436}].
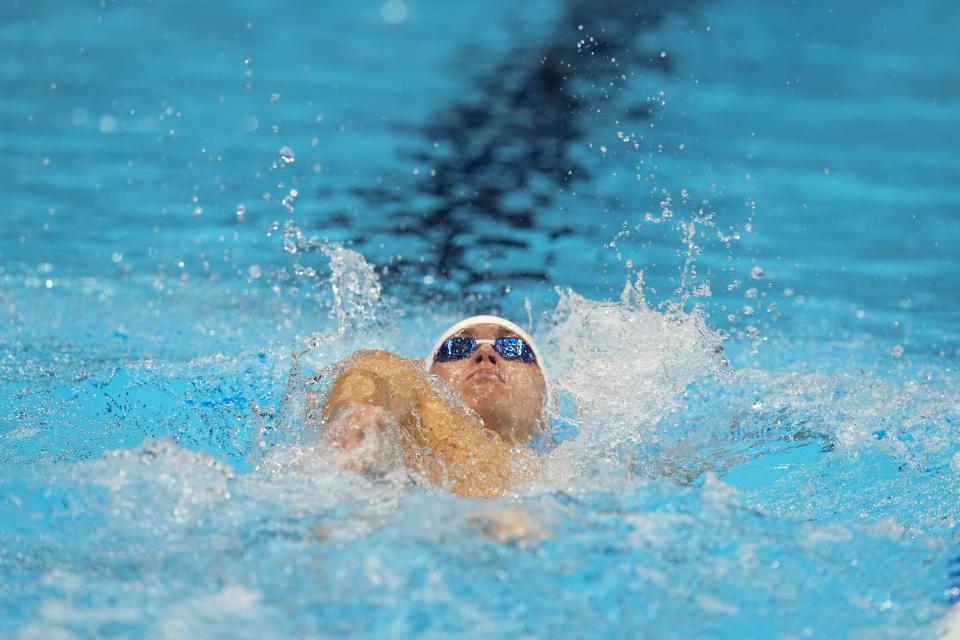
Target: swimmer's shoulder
[
  {"x": 380, "y": 358},
  {"x": 388, "y": 369}
]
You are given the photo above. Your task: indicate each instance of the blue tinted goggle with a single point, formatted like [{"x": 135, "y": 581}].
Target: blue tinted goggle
[{"x": 463, "y": 347}]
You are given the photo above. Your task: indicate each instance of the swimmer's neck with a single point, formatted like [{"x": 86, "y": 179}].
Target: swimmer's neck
[{"x": 506, "y": 429}]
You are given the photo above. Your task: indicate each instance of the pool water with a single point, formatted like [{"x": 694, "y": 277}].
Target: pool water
[{"x": 733, "y": 228}]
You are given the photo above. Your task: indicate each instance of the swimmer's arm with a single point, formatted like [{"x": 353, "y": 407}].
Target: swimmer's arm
[
  {"x": 373, "y": 378},
  {"x": 368, "y": 396},
  {"x": 478, "y": 462}
]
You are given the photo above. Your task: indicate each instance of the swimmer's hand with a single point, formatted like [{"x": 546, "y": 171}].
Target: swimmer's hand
[
  {"x": 366, "y": 438},
  {"x": 355, "y": 423}
]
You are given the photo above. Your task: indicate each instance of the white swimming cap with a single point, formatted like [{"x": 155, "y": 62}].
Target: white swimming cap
[{"x": 469, "y": 322}]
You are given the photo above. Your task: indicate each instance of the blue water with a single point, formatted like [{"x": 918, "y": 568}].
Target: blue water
[{"x": 758, "y": 440}]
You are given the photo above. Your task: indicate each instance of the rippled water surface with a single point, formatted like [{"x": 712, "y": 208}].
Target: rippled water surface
[{"x": 731, "y": 226}]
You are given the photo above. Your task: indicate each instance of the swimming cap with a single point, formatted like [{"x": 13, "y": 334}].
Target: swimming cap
[{"x": 469, "y": 322}]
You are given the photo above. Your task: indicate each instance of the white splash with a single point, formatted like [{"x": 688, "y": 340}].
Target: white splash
[
  {"x": 357, "y": 303},
  {"x": 623, "y": 366}
]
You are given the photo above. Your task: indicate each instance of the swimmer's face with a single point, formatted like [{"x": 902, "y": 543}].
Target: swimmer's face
[{"x": 507, "y": 394}]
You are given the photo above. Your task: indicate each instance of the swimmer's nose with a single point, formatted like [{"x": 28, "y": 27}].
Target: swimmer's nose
[{"x": 485, "y": 351}]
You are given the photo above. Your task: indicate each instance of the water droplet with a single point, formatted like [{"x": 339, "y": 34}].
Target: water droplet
[
  {"x": 703, "y": 290},
  {"x": 308, "y": 272},
  {"x": 249, "y": 123},
  {"x": 394, "y": 11},
  {"x": 108, "y": 124},
  {"x": 286, "y": 154},
  {"x": 292, "y": 237}
]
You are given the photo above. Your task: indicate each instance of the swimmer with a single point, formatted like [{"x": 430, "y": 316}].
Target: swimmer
[{"x": 460, "y": 416}]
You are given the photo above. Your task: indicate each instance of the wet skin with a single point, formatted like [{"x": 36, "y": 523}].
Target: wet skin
[
  {"x": 507, "y": 394},
  {"x": 470, "y": 420}
]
